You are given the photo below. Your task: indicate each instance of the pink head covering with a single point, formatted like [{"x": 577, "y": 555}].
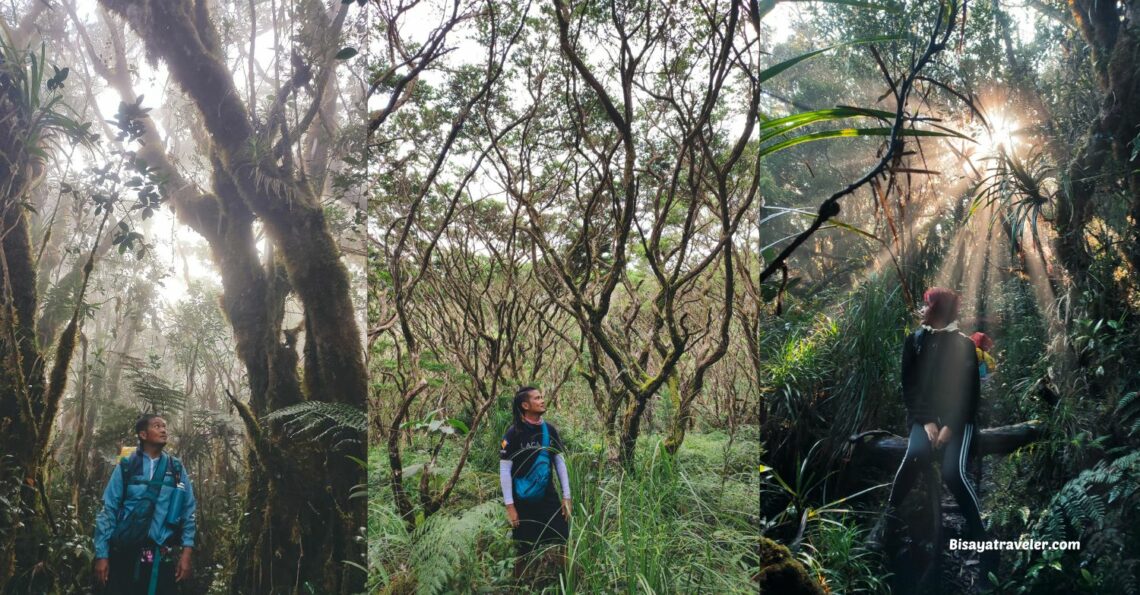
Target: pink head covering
[
  {"x": 981, "y": 341},
  {"x": 941, "y": 307}
]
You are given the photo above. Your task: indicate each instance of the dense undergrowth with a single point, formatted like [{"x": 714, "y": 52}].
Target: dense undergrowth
[
  {"x": 672, "y": 525},
  {"x": 1079, "y": 482}
]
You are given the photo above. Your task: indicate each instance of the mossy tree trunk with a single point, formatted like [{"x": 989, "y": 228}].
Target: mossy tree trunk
[
  {"x": 1115, "y": 45},
  {"x": 22, "y": 381},
  {"x": 29, "y": 392},
  {"x": 301, "y": 525},
  {"x": 716, "y": 188}
]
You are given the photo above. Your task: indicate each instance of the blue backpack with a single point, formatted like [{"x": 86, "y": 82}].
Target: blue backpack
[{"x": 532, "y": 486}]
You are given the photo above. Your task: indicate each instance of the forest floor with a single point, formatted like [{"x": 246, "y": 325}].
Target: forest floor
[
  {"x": 958, "y": 572},
  {"x": 685, "y": 526}
]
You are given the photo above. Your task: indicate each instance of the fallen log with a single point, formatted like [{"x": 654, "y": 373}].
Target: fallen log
[{"x": 887, "y": 449}]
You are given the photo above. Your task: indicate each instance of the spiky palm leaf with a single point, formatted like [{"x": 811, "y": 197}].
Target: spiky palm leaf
[
  {"x": 31, "y": 106},
  {"x": 1023, "y": 187}
]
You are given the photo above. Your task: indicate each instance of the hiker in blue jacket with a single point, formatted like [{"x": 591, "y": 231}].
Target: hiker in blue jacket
[
  {"x": 530, "y": 451},
  {"x": 144, "y": 535}
]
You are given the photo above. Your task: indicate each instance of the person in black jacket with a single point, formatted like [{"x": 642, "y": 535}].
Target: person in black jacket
[{"x": 941, "y": 390}]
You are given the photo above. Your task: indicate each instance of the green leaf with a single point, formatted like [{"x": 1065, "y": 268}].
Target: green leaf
[
  {"x": 458, "y": 425},
  {"x": 766, "y": 6},
  {"x": 852, "y": 132},
  {"x": 772, "y": 71},
  {"x": 346, "y": 53},
  {"x": 780, "y": 126},
  {"x": 849, "y": 227},
  {"x": 771, "y": 128}
]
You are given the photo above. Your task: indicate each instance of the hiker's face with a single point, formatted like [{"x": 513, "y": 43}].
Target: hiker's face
[
  {"x": 535, "y": 404},
  {"x": 155, "y": 433}
]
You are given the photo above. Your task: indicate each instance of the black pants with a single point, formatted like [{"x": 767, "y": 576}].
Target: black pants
[
  {"x": 123, "y": 566},
  {"x": 540, "y": 522},
  {"x": 954, "y": 456}
]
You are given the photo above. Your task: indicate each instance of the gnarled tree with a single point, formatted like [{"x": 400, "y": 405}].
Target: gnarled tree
[{"x": 268, "y": 171}]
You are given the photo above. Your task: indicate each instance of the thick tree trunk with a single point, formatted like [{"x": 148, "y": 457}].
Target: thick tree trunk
[
  {"x": 28, "y": 404},
  {"x": 21, "y": 364},
  {"x": 1116, "y": 49},
  {"x": 183, "y": 35},
  {"x": 301, "y": 524},
  {"x": 631, "y": 429}
]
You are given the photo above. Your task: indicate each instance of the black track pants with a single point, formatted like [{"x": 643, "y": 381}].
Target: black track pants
[{"x": 954, "y": 456}]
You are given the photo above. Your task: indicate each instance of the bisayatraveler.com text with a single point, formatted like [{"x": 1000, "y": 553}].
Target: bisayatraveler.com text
[{"x": 1022, "y": 545}]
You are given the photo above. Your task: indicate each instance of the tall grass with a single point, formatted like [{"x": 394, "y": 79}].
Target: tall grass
[
  {"x": 837, "y": 373},
  {"x": 668, "y": 526},
  {"x": 865, "y": 370},
  {"x": 657, "y": 530},
  {"x": 836, "y": 554}
]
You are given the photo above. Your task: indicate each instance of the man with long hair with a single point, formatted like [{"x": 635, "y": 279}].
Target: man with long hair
[{"x": 529, "y": 451}]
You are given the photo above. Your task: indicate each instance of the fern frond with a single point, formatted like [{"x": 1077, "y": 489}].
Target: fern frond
[
  {"x": 444, "y": 545},
  {"x": 151, "y": 388},
  {"x": 337, "y": 424}
]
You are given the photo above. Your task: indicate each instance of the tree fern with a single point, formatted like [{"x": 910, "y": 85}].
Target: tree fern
[
  {"x": 1128, "y": 412},
  {"x": 156, "y": 393},
  {"x": 337, "y": 424}
]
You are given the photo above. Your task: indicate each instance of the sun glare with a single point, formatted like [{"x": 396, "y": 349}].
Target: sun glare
[{"x": 1001, "y": 134}]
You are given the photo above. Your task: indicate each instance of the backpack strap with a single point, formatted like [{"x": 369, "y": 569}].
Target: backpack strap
[
  {"x": 177, "y": 465},
  {"x": 918, "y": 336},
  {"x": 124, "y": 463},
  {"x": 544, "y": 452},
  {"x": 154, "y": 485},
  {"x": 127, "y": 466}
]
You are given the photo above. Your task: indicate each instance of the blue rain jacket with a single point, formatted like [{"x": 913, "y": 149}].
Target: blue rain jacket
[{"x": 170, "y": 494}]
